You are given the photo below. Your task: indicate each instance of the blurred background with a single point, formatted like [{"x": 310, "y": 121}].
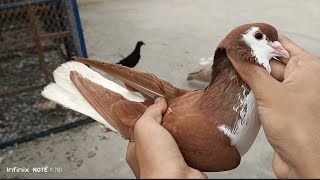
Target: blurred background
[{"x": 36, "y": 38}]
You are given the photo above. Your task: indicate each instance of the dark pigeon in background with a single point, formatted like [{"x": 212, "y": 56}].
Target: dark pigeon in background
[{"x": 133, "y": 58}]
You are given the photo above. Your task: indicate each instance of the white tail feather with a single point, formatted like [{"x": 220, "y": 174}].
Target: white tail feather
[
  {"x": 65, "y": 93},
  {"x": 72, "y": 101},
  {"x": 62, "y": 77}
]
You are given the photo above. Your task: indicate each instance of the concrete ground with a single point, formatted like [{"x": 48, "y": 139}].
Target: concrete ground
[{"x": 177, "y": 34}]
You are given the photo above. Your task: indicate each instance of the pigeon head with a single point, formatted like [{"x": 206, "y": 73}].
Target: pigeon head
[
  {"x": 256, "y": 42},
  {"x": 140, "y": 43}
]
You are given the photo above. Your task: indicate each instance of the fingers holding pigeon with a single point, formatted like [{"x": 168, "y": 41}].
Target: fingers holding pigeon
[
  {"x": 131, "y": 159},
  {"x": 155, "y": 111},
  {"x": 155, "y": 150},
  {"x": 259, "y": 80},
  {"x": 280, "y": 168},
  {"x": 154, "y": 115},
  {"x": 277, "y": 70},
  {"x": 293, "y": 48}
]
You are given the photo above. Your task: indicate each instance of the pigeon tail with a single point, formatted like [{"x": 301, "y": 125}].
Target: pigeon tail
[
  {"x": 145, "y": 83},
  {"x": 65, "y": 93}
]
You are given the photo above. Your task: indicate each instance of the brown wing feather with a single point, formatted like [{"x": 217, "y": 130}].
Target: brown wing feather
[
  {"x": 144, "y": 82},
  {"x": 115, "y": 109},
  {"x": 128, "y": 87},
  {"x": 129, "y": 113}
]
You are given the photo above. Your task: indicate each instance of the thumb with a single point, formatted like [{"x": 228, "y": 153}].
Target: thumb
[
  {"x": 156, "y": 110},
  {"x": 293, "y": 48},
  {"x": 259, "y": 80}
]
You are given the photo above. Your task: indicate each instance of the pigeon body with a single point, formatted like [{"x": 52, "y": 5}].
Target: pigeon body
[
  {"x": 132, "y": 59},
  {"x": 213, "y": 127}
]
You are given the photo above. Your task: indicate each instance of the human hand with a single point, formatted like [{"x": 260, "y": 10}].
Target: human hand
[
  {"x": 289, "y": 110},
  {"x": 154, "y": 152}
]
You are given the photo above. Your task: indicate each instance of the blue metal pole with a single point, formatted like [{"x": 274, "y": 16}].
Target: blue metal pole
[{"x": 79, "y": 28}]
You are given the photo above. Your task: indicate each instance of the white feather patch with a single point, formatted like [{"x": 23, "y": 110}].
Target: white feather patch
[
  {"x": 62, "y": 77},
  {"x": 65, "y": 93},
  {"x": 260, "y": 48},
  {"x": 75, "y": 102},
  {"x": 246, "y": 128}
]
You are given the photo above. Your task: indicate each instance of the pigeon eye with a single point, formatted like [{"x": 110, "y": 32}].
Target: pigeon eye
[{"x": 258, "y": 35}]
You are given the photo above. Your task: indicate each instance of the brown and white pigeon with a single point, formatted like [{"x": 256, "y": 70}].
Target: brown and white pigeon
[{"x": 213, "y": 127}]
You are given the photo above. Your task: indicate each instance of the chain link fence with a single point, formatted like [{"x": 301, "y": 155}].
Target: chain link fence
[{"x": 36, "y": 36}]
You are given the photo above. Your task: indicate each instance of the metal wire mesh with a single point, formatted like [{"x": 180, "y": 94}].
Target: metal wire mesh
[{"x": 36, "y": 36}]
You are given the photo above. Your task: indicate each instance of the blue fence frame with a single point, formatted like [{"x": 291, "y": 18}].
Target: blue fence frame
[{"x": 79, "y": 28}]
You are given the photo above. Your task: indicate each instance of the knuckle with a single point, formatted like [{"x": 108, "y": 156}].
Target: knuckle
[
  {"x": 130, "y": 154},
  {"x": 298, "y": 58},
  {"x": 128, "y": 158},
  {"x": 156, "y": 110},
  {"x": 138, "y": 126},
  {"x": 152, "y": 112}
]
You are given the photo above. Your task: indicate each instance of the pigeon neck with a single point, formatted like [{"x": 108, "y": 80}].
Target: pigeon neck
[
  {"x": 229, "y": 103},
  {"x": 137, "y": 49},
  {"x": 221, "y": 94}
]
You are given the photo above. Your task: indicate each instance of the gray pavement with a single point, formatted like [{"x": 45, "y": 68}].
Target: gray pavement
[{"x": 177, "y": 34}]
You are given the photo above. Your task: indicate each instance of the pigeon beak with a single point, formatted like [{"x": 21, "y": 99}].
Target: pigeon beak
[{"x": 279, "y": 50}]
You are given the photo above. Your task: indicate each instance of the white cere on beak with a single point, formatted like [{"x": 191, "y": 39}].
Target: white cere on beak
[{"x": 260, "y": 48}]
